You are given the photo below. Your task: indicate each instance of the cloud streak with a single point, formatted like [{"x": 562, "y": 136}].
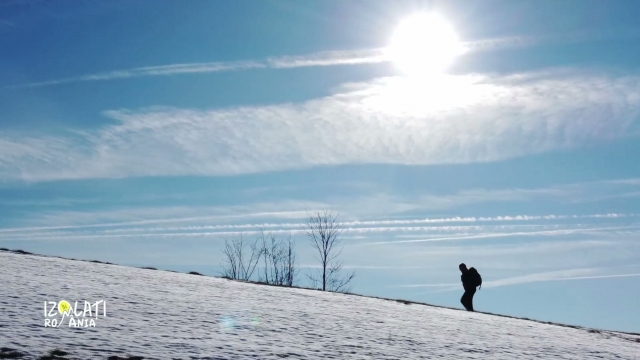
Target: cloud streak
[
  {"x": 502, "y": 234},
  {"x": 39, "y": 236},
  {"x": 346, "y": 224},
  {"x": 454, "y": 119},
  {"x": 325, "y": 58},
  {"x": 320, "y": 59},
  {"x": 561, "y": 275},
  {"x": 147, "y": 71}
]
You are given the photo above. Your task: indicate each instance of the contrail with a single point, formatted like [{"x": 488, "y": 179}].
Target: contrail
[
  {"x": 324, "y": 58},
  {"x": 506, "y": 218},
  {"x": 457, "y": 286},
  {"x": 497, "y": 235}
]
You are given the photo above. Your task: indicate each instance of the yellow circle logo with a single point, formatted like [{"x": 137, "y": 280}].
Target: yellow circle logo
[{"x": 64, "y": 307}]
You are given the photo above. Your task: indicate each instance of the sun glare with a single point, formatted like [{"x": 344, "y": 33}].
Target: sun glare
[{"x": 424, "y": 44}]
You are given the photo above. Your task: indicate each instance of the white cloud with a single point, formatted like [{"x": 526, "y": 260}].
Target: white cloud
[
  {"x": 568, "y": 193},
  {"x": 562, "y": 275},
  {"x": 364, "y": 267},
  {"x": 493, "y": 252},
  {"x": 327, "y": 58},
  {"x": 524, "y": 41},
  {"x": 458, "y": 119},
  {"x": 558, "y": 275},
  {"x": 163, "y": 70},
  {"x": 176, "y": 215},
  {"x": 286, "y": 216},
  {"x": 555, "y": 232},
  {"x": 456, "y": 232}
]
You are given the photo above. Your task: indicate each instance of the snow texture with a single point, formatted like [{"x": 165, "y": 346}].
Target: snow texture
[{"x": 165, "y": 315}]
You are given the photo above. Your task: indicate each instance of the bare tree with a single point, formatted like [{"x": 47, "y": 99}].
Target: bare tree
[
  {"x": 265, "y": 255},
  {"x": 324, "y": 233},
  {"x": 338, "y": 283},
  {"x": 230, "y": 269},
  {"x": 279, "y": 258},
  {"x": 290, "y": 262},
  {"x": 240, "y": 265}
]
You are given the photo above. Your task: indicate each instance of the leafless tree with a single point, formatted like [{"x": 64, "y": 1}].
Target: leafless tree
[
  {"x": 324, "y": 233},
  {"x": 240, "y": 265},
  {"x": 290, "y": 262},
  {"x": 280, "y": 262},
  {"x": 262, "y": 239}
]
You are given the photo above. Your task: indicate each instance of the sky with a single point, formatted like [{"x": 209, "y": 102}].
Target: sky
[{"x": 147, "y": 133}]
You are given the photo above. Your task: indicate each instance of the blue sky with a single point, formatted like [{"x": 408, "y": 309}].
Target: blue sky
[{"x": 148, "y": 132}]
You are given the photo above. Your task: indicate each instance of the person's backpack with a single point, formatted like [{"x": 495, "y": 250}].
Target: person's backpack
[{"x": 476, "y": 279}]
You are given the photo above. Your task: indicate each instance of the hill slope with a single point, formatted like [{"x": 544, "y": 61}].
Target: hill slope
[{"x": 163, "y": 315}]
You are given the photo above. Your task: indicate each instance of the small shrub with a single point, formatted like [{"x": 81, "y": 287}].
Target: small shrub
[
  {"x": 9, "y": 353},
  {"x": 22, "y": 252},
  {"x": 100, "y": 262},
  {"x": 58, "y": 352},
  {"x": 55, "y": 354}
]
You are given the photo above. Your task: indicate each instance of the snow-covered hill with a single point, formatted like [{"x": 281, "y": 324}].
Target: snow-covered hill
[{"x": 164, "y": 315}]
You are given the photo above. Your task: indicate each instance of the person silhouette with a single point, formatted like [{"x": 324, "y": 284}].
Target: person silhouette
[{"x": 470, "y": 280}]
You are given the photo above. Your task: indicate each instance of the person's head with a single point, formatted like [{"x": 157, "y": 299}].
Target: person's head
[{"x": 463, "y": 267}]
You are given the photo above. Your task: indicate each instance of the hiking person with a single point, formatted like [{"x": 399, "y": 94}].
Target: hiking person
[{"x": 470, "y": 280}]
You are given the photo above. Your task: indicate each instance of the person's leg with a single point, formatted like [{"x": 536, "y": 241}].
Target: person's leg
[
  {"x": 465, "y": 300},
  {"x": 470, "y": 297}
]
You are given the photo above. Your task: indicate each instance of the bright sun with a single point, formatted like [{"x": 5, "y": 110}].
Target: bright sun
[{"x": 424, "y": 44}]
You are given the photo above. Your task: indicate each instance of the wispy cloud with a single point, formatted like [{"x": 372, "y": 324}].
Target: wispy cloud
[
  {"x": 569, "y": 193},
  {"x": 500, "y": 251},
  {"x": 151, "y": 71},
  {"x": 329, "y": 58},
  {"x": 524, "y": 41},
  {"x": 539, "y": 277},
  {"x": 559, "y": 275},
  {"x": 504, "y": 234},
  {"x": 302, "y": 214},
  {"x": 364, "y": 267},
  {"x": 429, "y": 201},
  {"x": 75, "y": 220},
  {"x": 203, "y": 231},
  {"x": 476, "y": 233},
  {"x": 324, "y": 58},
  {"x": 455, "y": 119}
]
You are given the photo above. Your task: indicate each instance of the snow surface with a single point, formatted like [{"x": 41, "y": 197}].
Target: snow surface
[{"x": 164, "y": 315}]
